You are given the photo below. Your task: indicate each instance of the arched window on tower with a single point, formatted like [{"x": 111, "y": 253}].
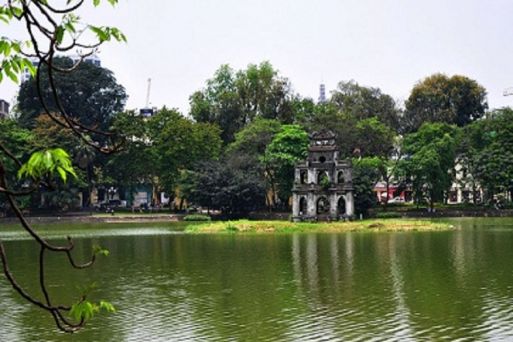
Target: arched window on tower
[
  {"x": 323, "y": 206},
  {"x": 303, "y": 177},
  {"x": 341, "y": 205},
  {"x": 322, "y": 177},
  {"x": 302, "y": 206},
  {"x": 340, "y": 177}
]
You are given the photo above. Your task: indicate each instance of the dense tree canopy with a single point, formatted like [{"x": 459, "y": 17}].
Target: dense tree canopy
[
  {"x": 429, "y": 159},
  {"x": 365, "y": 103},
  {"x": 215, "y": 185},
  {"x": 251, "y": 142},
  {"x": 180, "y": 143},
  {"x": 487, "y": 151},
  {"x": 89, "y": 94},
  {"x": 234, "y": 99},
  {"x": 288, "y": 147},
  {"x": 365, "y": 175},
  {"x": 456, "y": 100},
  {"x": 19, "y": 141}
]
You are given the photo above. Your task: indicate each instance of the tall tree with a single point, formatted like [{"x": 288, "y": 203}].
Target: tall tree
[
  {"x": 180, "y": 143},
  {"x": 100, "y": 96},
  {"x": 487, "y": 151},
  {"x": 366, "y": 172},
  {"x": 249, "y": 146},
  {"x": 429, "y": 160},
  {"x": 365, "y": 103},
  {"x": 129, "y": 167},
  {"x": 378, "y": 143},
  {"x": 456, "y": 100},
  {"x": 328, "y": 116},
  {"x": 215, "y": 185},
  {"x": 234, "y": 99},
  {"x": 287, "y": 148}
]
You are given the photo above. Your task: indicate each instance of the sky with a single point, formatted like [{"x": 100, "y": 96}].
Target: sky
[{"x": 390, "y": 44}]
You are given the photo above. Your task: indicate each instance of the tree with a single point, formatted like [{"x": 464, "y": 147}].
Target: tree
[
  {"x": 287, "y": 148},
  {"x": 249, "y": 146},
  {"x": 374, "y": 138},
  {"x": 129, "y": 167},
  {"x": 180, "y": 143},
  {"x": 48, "y": 133},
  {"x": 50, "y": 30},
  {"x": 378, "y": 144},
  {"x": 215, "y": 185},
  {"x": 365, "y": 137},
  {"x": 429, "y": 160},
  {"x": 365, "y": 103},
  {"x": 365, "y": 175},
  {"x": 100, "y": 95},
  {"x": 263, "y": 93},
  {"x": 232, "y": 99},
  {"x": 486, "y": 151},
  {"x": 19, "y": 142},
  {"x": 328, "y": 116},
  {"x": 456, "y": 100}
]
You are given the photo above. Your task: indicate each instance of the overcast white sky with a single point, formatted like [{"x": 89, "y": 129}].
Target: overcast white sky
[{"x": 390, "y": 44}]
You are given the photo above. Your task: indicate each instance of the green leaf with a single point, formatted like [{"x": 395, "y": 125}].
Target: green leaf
[
  {"x": 59, "y": 34},
  {"x": 107, "y": 306},
  {"x": 48, "y": 163},
  {"x": 86, "y": 310},
  {"x": 100, "y": 250}
]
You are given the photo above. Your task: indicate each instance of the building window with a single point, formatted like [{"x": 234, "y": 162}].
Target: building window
[
  {"x": 303, "y": 177},
  {"x": 323, "y": 206}
]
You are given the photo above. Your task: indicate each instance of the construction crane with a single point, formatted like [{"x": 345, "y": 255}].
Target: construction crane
[
  {"x": 147, "y": 111},
  {"x": 148, "y": 93}
]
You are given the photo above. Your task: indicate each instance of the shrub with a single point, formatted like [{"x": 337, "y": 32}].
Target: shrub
[
  {"x": 197, "y": 217},
  {"x": 388, "y": 214},
  {"x": 230, "y": 227}
]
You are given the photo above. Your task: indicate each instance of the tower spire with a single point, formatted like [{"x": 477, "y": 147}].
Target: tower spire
[{"x": 322, "y": 93}]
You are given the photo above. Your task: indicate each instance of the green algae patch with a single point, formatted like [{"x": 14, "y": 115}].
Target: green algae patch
[{"x": 247, "y": 226}]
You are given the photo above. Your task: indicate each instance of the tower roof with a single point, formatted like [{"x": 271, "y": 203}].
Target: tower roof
[{"x": 323, "y": 140}]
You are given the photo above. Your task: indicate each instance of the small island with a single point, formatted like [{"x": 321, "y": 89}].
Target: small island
[{"x": 262, "y": 227}]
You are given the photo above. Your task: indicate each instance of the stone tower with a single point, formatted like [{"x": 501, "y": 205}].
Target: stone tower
[{"x": 323, "y": 184}]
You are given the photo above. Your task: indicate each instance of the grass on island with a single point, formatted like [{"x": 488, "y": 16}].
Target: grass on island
[{"x": 246, "y": 226}]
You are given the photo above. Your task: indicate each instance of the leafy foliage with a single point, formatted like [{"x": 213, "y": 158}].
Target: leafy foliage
[
  {"x": 46, "y": 164},
  {"x": 85, "y": 310},
  {"x": 365, "y": 103},
  {"x": 219, "y": 187},
  {"x": 365, "y": 176},
  {"x": 180, "y": 143},
  {"x": 100, "y": 96},
  {"x": 455, "y": 100},
  {"x": 486, "y": 151},
  {"x": 286, "y": 149},
  {"x": 232, "y": 99},
  {"x": 430, "y": 155}
]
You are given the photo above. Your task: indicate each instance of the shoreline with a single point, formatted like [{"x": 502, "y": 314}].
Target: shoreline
[
  {"x": 127, "y": 217},
  {"x": 245, "y": 226},
  {"x": 120, "y": 218}
]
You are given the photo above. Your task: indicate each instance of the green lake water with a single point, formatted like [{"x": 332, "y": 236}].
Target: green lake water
[{"x": 169, "y": 286}]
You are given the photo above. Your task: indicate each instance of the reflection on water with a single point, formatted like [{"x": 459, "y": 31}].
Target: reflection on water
[{"x": 454, "y": 285}]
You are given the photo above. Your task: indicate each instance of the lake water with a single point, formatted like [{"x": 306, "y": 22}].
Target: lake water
[{"x": 168, "y": 286}]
